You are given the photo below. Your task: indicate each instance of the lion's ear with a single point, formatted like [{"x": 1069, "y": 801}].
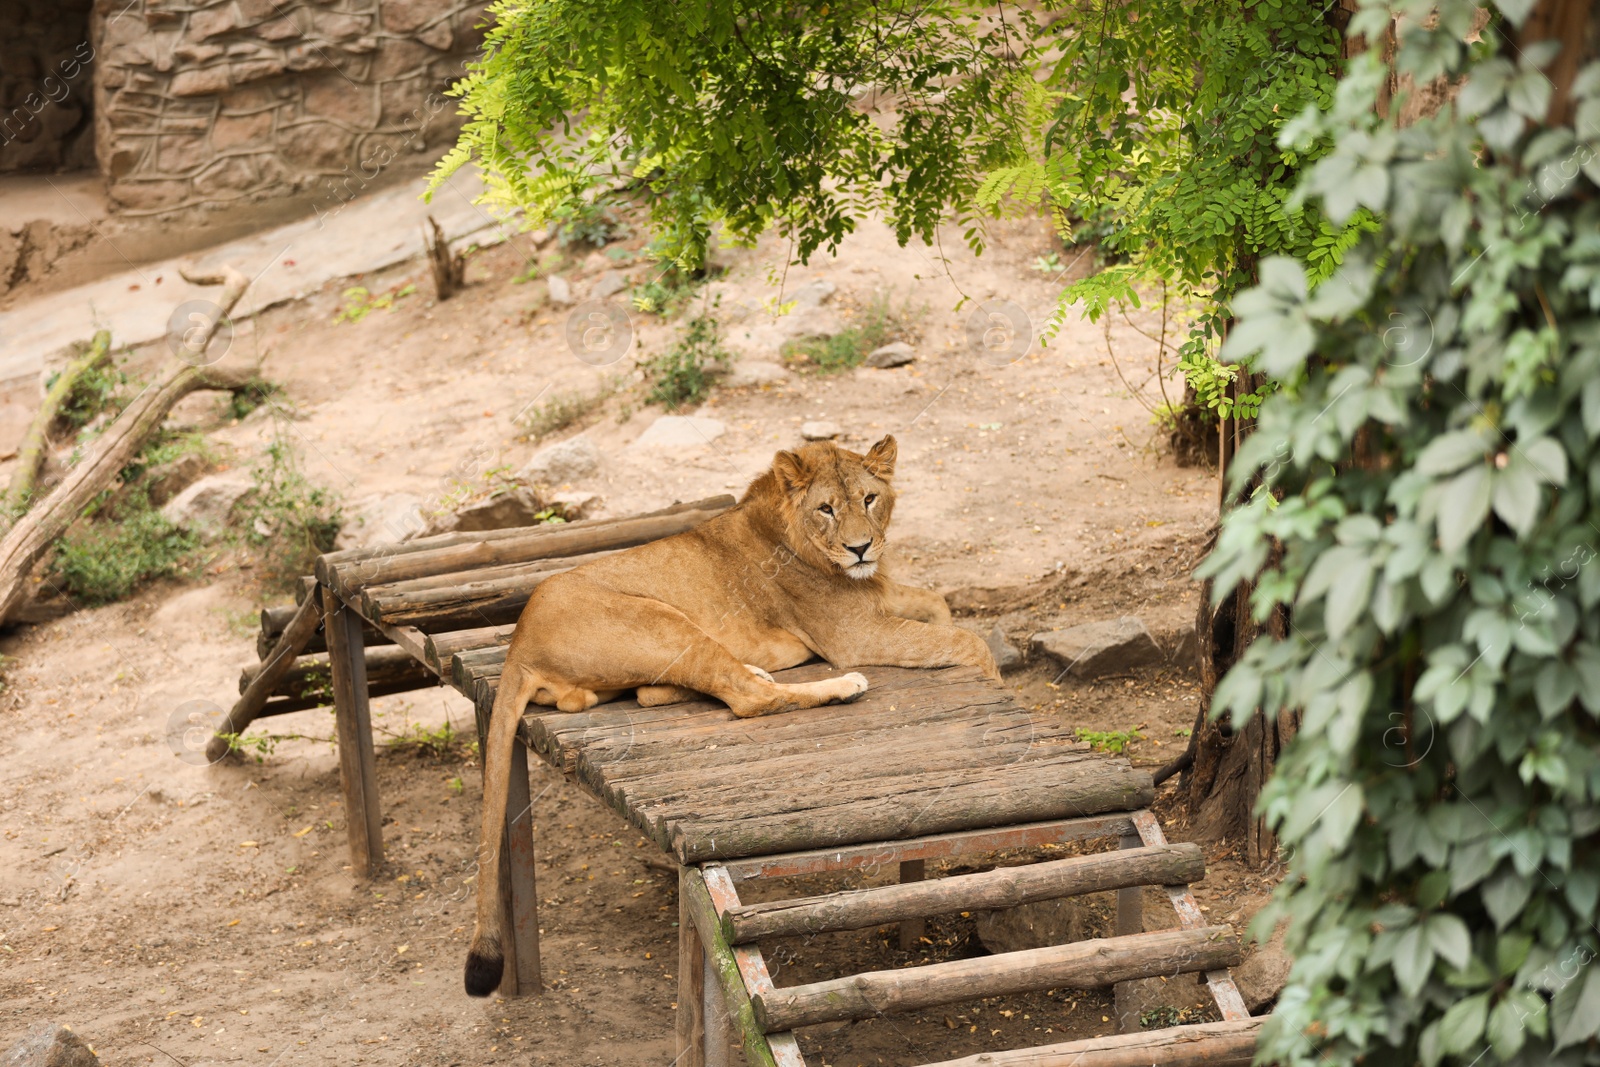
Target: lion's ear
[
  {"x": 880, "y": 458},
  {"x": 790, "y": 471}
]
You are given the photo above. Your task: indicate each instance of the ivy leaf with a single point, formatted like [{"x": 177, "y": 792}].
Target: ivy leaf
[
  {"x": 1575, "y": 1009},
  {"x": 1413, "y": 960},
  {"x": 1463, "y": 1024},
  {"x": 1462, "y": 507},
  {"x": 1548, "y": 458},
  {"x": 1504, "y": 895},
  {"x": 1348, "y": 597},
  {"x": 1516, "y": 497},
  {"x": 1506, "y": 1032},
  {"x": 1450, "y": 939},
  {"x": 1451, "y": 452}
]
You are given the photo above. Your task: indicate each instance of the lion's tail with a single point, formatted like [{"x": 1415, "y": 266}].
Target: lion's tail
[{"x": 485, "y": 956}]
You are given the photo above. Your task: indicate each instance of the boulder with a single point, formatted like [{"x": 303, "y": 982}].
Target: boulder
[
  {"x": 1096, "y": 649},
  {"x": 560, "y": 291},
  {"x": 679, "y": 431},
  {"x": 576, "y": 504},
  {"x": 748, "y": 372},
  {"x": 812, "y": 294},
  {"x": 514, "y": 507},
  {"x": 169, "y": 479},
  {"x": 1263, "y": 975},
  {"x": 207, "y": 505},
  {"x": 805, "y": 322},
  {"x": 562, "y": 463},
  {"x": 897, "y": 354},
  {"x": 49, "y": 1045},
  {"x": 1005, "y": 653},
  {"x": 382, "y": 519},
  {"x": 819, "y": 431},
  {"x": 610, "y": 283}
]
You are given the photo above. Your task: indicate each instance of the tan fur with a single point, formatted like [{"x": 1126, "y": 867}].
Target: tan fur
[{"x": 790, "y": 572}]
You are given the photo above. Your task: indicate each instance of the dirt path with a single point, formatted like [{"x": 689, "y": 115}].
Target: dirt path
[{"x": 171, "y": 912}]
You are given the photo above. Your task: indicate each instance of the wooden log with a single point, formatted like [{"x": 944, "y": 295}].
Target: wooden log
[
  {"x": 1003, "y": 887},
  {"x": 269, "y": 674},
  {"x": 1226, "y": 1044},
  {"x": 438, "y": 648},
  {"x": 1081, "y": 965},
  {"x": 31, "y": 452},
  {"x": 449, "y": 268},
  {"x": 1015, "y": 798},
  {"x": 498, "y": 602},
  {"x": 390, "y": 669},
  {"x": 274, "y": 619},
  {"x": 33, "y": 534},
  {"x": 358, "y": 768},
  {"x": 690, "y": 1029},
  {"x": 696, "y": 901},
  {"x": 517, "y": 546},
  {"x": 480, "y": 574}
]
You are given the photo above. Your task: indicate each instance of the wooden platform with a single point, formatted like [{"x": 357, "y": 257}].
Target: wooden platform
[{"x": 928, "y": 764}]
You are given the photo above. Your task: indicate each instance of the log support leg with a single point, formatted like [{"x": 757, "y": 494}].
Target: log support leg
[
  {"x": 358, "y": 766},
  {"x": 518, "y": 891},
  {"x": 692, "y": 982},
  {"x": 1130, "y": 920},
  {"x": 912, "y": 930}
]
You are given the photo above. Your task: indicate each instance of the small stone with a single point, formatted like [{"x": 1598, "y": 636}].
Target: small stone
[
  {"x": 382, "y": 519},
  {"x": 575, "y": 504},
  {"x": 169, "y": 479},
  {"x": 609, "y": 284},
  {"x": 49, "y": 1045},
  {"x": 561, "y": 463},
  {"x": 1262, "y": 976},
  {"x": 1005, "y": 653},
  {"x": 805, "y": 322},
  {"x": 206, "y": 506},
  {"x": 811, "y": 294},
  {"x": 560, "y": 290},
  {"x": 897, "y": 354},
  {"x": 515, "y": 507},
  {"x": 749, "y": 372},
  {"x": 819, "y": 431},
  {"x": 679, "y": 431},
  {"x": 1095, "y": 649}
]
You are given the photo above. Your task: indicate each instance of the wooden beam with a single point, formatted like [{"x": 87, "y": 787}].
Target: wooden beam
[
  {"x": 912, "y": 928},
  {"x": 389, "y": 668},
  {"x": 275, "y": 619},
  {"x": 1227, "y": 1044},
  {"x": 691, "y": 1023},
  {"x": 752, "y": 966},
  {"x": 358, "y": 766},
  {"x": 703, "y": 913},
  {"x": 439, "y": 647},
  {"x": 1081, "y": 965},
  {"x": 269, "y": 675},
  {"x": 1003, "y": 887}
]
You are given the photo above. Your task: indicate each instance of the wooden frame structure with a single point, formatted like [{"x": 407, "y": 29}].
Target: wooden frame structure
[{"x": 721, "y": 796}]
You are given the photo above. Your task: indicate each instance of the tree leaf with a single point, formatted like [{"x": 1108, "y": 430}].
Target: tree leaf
[
  {"x": 1451, "y": 452},
  {"x": 1462, "y": 1026},
  {"x": 1504, "y": 895},
  {"x": 1449, "y": 938},
  {"x": 1463, "y": 506},
  {"x": 1516, "y": 497},
  {"x": 1575, "y": 1010}
]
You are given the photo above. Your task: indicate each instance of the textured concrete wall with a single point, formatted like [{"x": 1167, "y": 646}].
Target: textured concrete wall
[
  {"x": 208, "y": 103},
  {"x": 45, "y": 85}
]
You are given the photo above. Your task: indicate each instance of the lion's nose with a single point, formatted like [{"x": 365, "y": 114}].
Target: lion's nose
[{"x": 860, "y": 550}]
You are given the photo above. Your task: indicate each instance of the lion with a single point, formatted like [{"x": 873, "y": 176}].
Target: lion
[{"x": 793, "y": 570}]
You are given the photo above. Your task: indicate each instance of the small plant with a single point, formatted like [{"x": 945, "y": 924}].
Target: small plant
[
  {"x": 114, "y": 553},
  {"x": 289, "y": 518},
  {"x": 359, "y": 302},
  {"x": 440, "y": 743},
  {"x": 1113, "y": 741},
  {"x": 1048, "y": 264},
  {"x": 666, "y": 293},
  {"x": 565, "y": 408},
  {"x": 252, "y": 395},
  {"x": 586, "y": 222},
  {"x": 94, "y": 392},
  {"x": 259, "y": 746},
  {"x": 683, "y": 374},
  {"x": 875, "y": 326}
]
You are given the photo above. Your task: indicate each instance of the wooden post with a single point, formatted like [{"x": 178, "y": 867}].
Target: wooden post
[
  {"x": 719, "y": 1029},
  {"x": 1130, "y": 920},
  {"x": 358, "y": 767},
  {"x": 911, "y": 930},
  {"x": 691, "y": 984},
  {"x": 519, "y": 890}
]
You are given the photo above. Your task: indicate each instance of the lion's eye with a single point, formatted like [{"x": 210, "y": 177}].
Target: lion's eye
[
  {"x": 826, "y": 509},
  {"x": 870, "y": 497}
]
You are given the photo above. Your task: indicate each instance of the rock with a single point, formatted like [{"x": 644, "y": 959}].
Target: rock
[
  {"x": 1263, "y": 975},
  {"x": 809, "y": 322},
  {"x": 562, "y": 463},
  {"x": 609, "y": 284},
  {"x": 560, "y": 291},
  {"x": 1005, "y": 653},
  {"x": 819, "y": 431},
  {"x": 515, "y": 507},
  {"x": 576, "y": 504},
  {"x": 1095, "y": 649},
  {"x": 897, "y": 354},
  {"x": 679, "y": 431},
  {"x": 1183, "y": 649},
  {"x": 748, "y": 372},
  {"x": 169, "y": 479},
  {"x": 812, "y": 294},
  {"x": 1046, "y": 922},
  {"x": 382, "y": 519},
  {"x": 49, "y": 1045},
  {"x": 206, "y": 506}
]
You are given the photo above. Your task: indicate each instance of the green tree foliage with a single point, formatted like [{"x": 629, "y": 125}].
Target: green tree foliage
[
  {"x": 753, "y": 115},
  {"x": 1430, "y": 512}
]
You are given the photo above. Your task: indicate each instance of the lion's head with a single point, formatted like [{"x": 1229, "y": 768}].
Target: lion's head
[{"x": 839, "y": 503}]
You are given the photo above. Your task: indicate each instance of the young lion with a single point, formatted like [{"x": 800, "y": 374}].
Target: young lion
[{"x": 789, "y": 572}]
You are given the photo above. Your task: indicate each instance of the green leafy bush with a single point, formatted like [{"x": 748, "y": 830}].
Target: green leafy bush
[
  {"x": 107, "y": 558},
  {"x": 564, "y": 408},
  {"x": 684, "y": 373},
  {"x": 876, "y": 325},
  {"x": 1428, "y": 508},
  {"x": 288, "y": 520}
]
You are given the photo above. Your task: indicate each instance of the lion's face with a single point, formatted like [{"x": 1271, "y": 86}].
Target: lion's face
[{"x": 842, "y": 502}]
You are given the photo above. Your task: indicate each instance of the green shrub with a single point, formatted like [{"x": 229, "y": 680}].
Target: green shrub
[
  {"x": 110, "y": 556},
  {"x": 288, "y": 519},
  {"x": 684, "y": 373},
  {"x": 875, "y": 326},
  {"x": 564, "y": 409},
  {"x": 94, "y": 392}
]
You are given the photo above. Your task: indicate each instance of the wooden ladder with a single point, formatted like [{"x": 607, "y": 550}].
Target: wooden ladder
[{"x": 727, "y": 1000}]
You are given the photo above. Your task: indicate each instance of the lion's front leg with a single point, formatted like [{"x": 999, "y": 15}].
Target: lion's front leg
[
  {"x": 888, "y": 641},
  {"x": 920, "y": 605}
]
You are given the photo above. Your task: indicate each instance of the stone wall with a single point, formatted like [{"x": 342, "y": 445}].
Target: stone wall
[
  {"x": 45, "y": 87},
  {"x": 210, "y": 104}
]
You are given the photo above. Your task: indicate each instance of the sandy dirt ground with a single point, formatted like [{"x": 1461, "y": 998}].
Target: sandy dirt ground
[{"x": 179, "y": 913}]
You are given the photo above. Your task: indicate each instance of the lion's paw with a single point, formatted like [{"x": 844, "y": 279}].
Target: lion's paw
[
  {"x": 758, "y": 672},
  {"x": 854, "y": 685}
]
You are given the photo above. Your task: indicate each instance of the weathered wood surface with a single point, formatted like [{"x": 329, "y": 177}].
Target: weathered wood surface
[
  {"x": 923, "y": 752},
  {"x": 269, "y": 673},
  {"x": 309, "y": 682},
  {"x": 275, "y": 619},
  {"x": 413, "y": 559},
  {"x": 1080, "y": 965},
  {"x": 1227, "y": 1044},
  {"x": 1003, "y": 887},
  {"x": 439, "y": 648},
  {"x": 696, "y": 901},
  {"x": 752, "y": 966},
  {"x": 358, "y": 768},
  {"x": 31, "y": 452}
]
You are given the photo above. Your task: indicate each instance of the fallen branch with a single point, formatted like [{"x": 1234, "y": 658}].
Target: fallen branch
[
  {"x": 26, "y": 543},
  {"x": 31, "y": 452},
  {"x": 449, "y": 270}
]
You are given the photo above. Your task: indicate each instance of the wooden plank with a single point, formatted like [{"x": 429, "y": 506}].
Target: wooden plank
[
  {"x": 358, "y": 768},
  {"x": 516, "y": 546},
  {"x": 911, "y": 928},
  {"x": 408, "y": 638},
  {"x": 1130, "y": 920},
  {"x": 1028, "y": 794},
  {"x": 465, "y": 603},
  {"x": 703, "y": 913},
  {"x": 275, "y": 619},
  {"x": 438, "y": 648},
  {"x": 1223, "y": 989},
  {"x": 271, "y": 673},
  {"x": 1003, "y": 887},
  {"x": 521, "y": 890},
  {"x": 931, "y": 846},
  {"x": 1225, "y": 1044},
  {"x": 308, "y": 676},
  {"x": 752, "y": 966},
  {"x": 691, "y": 1025},
  {"x": 451, "y": 579},
  {"x": 1081, "y": 965}
]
